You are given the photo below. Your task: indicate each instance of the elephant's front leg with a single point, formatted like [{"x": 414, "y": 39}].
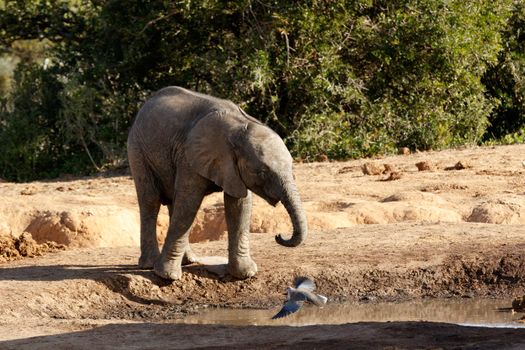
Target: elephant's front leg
[
  {"x": 189, "y": 256},
  {"x": 187, "y": 200},
  {"x": 238, "y": 214}
]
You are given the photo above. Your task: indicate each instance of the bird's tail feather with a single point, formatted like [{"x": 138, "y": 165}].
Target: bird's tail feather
[{"x": 323, "y": 298}]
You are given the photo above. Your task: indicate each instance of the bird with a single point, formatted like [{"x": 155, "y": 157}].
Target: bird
[{"x": 297, "y": 295}]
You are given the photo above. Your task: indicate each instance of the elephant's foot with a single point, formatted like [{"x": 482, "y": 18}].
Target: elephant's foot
[
  {"x": 147, "y": 258},
  {"x": 189, "y": 256},
  {"x": 169, "y": 269},
  {"x": 242, "y": 268}
]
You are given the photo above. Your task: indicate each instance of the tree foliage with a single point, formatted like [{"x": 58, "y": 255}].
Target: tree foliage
[
  {"x": 505, "y": 79},
  {"x": 346, "y": 78}
]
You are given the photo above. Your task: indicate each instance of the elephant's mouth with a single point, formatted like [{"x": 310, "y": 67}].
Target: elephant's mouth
[
  {"x": 268, "y": 197},
  {"x": 272, "y": 201}
]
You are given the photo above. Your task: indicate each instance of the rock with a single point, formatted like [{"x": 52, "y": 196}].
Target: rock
[
  {"x": 424, "y": 166},
  {"x": 389, "y": 168},
  {"x": 372, "y": 169},
  {"x": 394, "y": 176},
  {"x": 322, "y": 158},
  {"x": 461, "y": 165},
  {"x": 404, "y": 151}
]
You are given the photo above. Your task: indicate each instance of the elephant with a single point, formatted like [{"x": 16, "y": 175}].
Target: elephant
[{"x": 185, "y": 145}]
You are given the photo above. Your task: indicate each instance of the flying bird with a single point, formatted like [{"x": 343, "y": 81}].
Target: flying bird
[{"x": 297, "y": 295}]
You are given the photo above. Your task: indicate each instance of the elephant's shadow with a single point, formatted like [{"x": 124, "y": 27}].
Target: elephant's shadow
[{"x": 116, "y": 277}]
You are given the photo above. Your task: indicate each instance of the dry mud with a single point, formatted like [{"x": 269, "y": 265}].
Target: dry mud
[{"x": 443, "y": 231}]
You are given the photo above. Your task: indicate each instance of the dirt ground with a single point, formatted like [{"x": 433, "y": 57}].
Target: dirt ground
[{"x": 454, "y": 229}]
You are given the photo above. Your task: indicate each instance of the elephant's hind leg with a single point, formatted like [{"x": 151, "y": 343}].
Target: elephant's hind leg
[
  {"x": 149, "y": 247},
  {"x": 149, "y": 204},
  {"x": 238, "y": 214}
]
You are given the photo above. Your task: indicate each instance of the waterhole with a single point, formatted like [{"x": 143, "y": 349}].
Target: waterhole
[{"x": 468, "y": 312}]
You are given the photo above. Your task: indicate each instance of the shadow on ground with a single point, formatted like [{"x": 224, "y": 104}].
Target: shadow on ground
[{"x": 398, "y": 335}]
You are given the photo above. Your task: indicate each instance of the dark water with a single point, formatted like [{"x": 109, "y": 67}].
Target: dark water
[{"x": 470, "y": 312}]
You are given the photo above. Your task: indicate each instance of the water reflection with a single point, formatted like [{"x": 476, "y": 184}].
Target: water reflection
[{"x": 479, "y": 312}]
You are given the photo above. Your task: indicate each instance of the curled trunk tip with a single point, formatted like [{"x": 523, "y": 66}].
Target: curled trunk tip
[{"x": 292, "y": 242}]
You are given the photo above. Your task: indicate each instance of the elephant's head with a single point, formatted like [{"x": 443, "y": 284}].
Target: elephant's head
[{"x": 239, "y": 153}]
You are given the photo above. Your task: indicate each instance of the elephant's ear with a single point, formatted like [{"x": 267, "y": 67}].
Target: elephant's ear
[{"x": 210, "y": 153}]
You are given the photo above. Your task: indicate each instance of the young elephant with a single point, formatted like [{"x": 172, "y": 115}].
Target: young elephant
[{"x": 183, "y": 146}]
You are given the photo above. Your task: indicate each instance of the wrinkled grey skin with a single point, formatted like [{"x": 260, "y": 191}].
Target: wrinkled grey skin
[{"x": 183, "y": 146}]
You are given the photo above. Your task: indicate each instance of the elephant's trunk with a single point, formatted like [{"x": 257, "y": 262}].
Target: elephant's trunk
[{"x": 292, "y": 202}]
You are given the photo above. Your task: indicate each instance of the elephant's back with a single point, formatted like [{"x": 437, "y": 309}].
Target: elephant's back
[
  {"x": 173, "y": 108},
  {"x": 184, "y": 94}
]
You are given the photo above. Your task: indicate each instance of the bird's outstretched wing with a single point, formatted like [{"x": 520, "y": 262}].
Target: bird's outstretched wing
[
  {"x": 289, "y": 307},
  {"x": 304, "y": 283},
  {"x": 316, "y": 299}
]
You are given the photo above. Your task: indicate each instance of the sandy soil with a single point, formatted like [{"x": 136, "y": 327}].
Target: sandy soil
[{"x": 453, "y": 229}]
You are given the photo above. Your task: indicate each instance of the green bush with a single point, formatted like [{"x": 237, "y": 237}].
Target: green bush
[
  {"x": 505, "y": 80},
  {"x": 33, "y": 142},
  {"x": 415, "y": 70}
]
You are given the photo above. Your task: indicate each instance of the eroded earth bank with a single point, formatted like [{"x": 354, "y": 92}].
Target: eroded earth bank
[{"x": 451, "y": 227}]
